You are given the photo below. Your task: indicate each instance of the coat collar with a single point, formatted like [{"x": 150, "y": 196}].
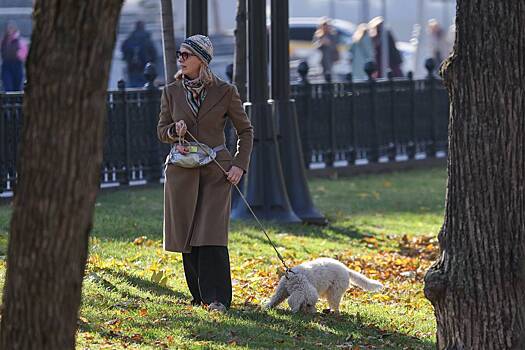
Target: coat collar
[{"x": 214, "y": 94}]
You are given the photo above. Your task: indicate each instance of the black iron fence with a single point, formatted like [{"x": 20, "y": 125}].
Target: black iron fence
[
  {"x": 347, "y": 124},
  {"x": 341, "y": 125}
]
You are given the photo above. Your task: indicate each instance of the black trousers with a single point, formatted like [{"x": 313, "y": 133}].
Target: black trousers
[{"x": 207, "y": 270}]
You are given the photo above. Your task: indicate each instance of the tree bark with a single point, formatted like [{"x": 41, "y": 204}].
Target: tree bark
[
  {"x": 477, "y": 287},
  {"x": 239, "y": 69},
  {"x": 168, "y": 40},
  {"x": 58, "y": 171}
]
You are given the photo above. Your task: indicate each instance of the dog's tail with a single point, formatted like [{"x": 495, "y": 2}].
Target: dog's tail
[
  {"x": 279, "y": 296},
  {"x": 363, "y": 282}
]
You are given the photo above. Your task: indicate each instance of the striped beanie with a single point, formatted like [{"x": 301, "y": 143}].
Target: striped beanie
[{"x": 201, "y": 46}]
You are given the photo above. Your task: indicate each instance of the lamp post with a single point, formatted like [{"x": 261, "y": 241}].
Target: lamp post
[
  {"x": 196, "y": 17},
  {"x": 385, "y": 57},
  {"x": 266, "y": 188},
  {"x": 286, "y": 116}
]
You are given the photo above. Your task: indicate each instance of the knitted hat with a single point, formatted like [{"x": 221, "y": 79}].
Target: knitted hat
[{"x": 200, "y": 45}]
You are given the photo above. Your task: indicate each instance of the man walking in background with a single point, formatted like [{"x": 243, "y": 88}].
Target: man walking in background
[{"x": 137, "y": 50}]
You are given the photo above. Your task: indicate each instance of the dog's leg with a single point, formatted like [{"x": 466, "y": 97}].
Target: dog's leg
[
  {"x": 279, "y": 296},
  {"x": 334, "y": 296}
]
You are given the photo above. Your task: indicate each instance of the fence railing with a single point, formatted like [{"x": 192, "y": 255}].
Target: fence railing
[
  {"x": 341, "y": 125},
  {"x": 347, "y": 124}
]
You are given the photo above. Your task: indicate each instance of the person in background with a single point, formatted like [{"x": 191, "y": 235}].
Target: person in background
[
  {"x": 325, "y": 39},
  {"x": 441, "y": 40},
  {"x": 376, "y": 30},
  {"x": 137, "y": 50},
  {"x": 14, "y": 51},
  {"x": 361, "y": 52},
  {"x": 439, "y": 46}
]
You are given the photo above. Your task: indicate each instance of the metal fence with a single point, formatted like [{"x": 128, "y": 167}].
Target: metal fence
[
  {"x": 341, "y": 125},
  {"x": 348, "y": 124}
]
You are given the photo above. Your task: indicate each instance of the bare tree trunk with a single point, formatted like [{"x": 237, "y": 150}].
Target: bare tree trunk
[
  {"x": 168, "y": 40},
  {"x": 477, "y": 287},
  {"x": 58, "y": 171},
  {"x": 239, "y": 75}
]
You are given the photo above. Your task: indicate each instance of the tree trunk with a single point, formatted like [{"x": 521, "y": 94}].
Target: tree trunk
[
  {"x": 58, "y": 171},
  {"x": 239, "y": 75},
  {"x": 477, "y": 287},
  {"x": 168, "y": 40}
]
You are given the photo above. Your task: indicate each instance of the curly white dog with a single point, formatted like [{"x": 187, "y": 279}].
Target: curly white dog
[{"x": 324, "y": 277}]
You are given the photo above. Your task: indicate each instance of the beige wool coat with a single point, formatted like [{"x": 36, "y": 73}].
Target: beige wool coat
[{"x": 197, "y": 201}]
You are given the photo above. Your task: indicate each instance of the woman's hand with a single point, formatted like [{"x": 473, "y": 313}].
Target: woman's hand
[
  {"x": 180, "y": 128},
  {"x": 234, "y": 174},
  {"x": 182, "y": 149}
]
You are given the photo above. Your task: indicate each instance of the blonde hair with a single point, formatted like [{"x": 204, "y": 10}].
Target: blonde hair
[
  {"x": 359, "y": 32},
  {"x": 320, "y": 31},
  {"x": 205, "y": 74}
]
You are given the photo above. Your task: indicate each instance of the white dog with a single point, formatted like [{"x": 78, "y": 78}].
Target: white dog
[{"x": 324, "y": 277}]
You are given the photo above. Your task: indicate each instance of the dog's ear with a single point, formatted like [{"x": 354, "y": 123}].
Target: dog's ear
[
  {"x": 310, "y": 298},
  {"x": 295, "y": 301}
]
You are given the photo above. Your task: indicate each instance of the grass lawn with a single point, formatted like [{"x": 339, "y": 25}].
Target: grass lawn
[{"x": 135, "y": 297}]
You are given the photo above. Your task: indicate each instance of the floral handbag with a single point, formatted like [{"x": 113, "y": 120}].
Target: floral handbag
[{"x": 198, "y": 154}]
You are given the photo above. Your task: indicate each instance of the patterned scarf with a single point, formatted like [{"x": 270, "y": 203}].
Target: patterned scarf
[{"x": 195, "y": 94}]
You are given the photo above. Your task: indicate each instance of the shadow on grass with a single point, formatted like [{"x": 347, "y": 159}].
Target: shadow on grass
[
  {"x": 280, "y": 329},
  {"x": 331, "y": 232},
  {"x": 246, "y": 325},
  {"x": 146, "y": 285},
  {"x": 283, "y": 329},
  {"x": 139, "y": 283}
]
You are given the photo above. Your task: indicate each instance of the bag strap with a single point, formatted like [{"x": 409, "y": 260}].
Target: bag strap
[
  {"x": 286, "y": 268},
  {"x": 182, "y": 140},
  {"x": 219, "y": 148}
]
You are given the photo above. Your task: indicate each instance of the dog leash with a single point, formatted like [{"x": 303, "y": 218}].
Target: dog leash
[{"x": 287, "y": 269}]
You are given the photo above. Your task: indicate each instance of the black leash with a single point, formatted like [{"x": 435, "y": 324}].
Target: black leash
[{"x": 287, "y": 269}]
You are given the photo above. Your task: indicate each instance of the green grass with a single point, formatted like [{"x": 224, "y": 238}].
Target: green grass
[{"x": 373, "y": 221}]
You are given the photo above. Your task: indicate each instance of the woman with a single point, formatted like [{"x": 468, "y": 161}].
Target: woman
[
  {"x": 14, "y": 51},
  {"x": 197, "y": 200},
  {"x": 375, "y": 30},
  {"x": 361, "y": 51},
  {"x": 325, "y": 39}
]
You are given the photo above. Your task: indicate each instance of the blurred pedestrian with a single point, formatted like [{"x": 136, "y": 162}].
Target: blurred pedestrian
[
  {"x": 14, "y": 51},
  {"x": 438, "y": 41},
  {"x": 325, "y": 39},
  {"x": 137, "y": 50},
  {"x": 361, "y": 51},
  {"x": 375, "y": 28}
]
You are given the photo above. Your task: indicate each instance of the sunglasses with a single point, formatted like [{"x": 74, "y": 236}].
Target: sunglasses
[{"x": 184, "y": 55}]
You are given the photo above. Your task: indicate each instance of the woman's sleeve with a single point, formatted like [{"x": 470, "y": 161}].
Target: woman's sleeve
[
  {"x": 166, "y": 123},
  {"x": 244, "y": 130}
]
